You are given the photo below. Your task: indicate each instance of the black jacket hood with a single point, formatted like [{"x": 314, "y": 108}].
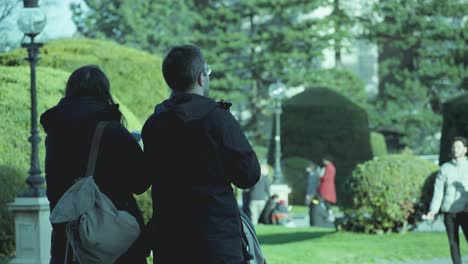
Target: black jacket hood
[
  {"x": 75, "y": 111},
  {"x": 188, "y": 107}
]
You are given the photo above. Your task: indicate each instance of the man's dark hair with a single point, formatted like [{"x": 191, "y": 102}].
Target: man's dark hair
[
  {"x": 182, "y": 66},
  {"x": 461, "y": 139}
]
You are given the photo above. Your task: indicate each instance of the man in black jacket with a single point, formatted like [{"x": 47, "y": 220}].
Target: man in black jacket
[{"x": 197, "y": 150}]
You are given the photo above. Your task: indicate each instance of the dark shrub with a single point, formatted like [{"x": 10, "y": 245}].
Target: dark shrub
[
  {"x": 295, "y": 177},
  {"x": 455, "y": 123},
  {"x": 320, "y": 121},
  {"x": 12, "y": 184}
]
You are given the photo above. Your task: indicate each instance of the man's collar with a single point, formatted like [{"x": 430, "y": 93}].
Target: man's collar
[{"x": 461, "y": 161}]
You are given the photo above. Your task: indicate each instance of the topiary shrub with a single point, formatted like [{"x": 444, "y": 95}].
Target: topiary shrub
[
  {"x": 13, "y": 183},
  {"x": 341, "y": 81},
  {"x": 378, "y": 144},
  {"x": 455, "y": 123},
  {"x": 135, "y": 76},
  {"x": 15, "y": 111},
  {"x": 320, "y": 121},
  {"x": 16, "y": 117},
  {"x": 295, "y": 177},
  {"x": 387, "y": 191}
]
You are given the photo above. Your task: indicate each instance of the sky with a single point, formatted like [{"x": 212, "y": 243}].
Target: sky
[{"x": 59, "y": 22}]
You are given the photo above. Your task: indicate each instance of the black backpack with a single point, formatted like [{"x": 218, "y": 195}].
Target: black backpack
[{"x": 250, "y": 245}]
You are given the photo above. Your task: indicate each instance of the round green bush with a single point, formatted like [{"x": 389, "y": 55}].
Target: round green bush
[
  {"x": 378, "y": 144},
  {"x": 295, "y": 176},
  {"x": 135, "y": 76},
  {"x": 320, "y": 121},
  {"x": 13, "y": 183},
  {"x": 388, "y": 190}
]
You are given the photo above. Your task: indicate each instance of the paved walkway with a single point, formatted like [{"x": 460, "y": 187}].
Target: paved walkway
[
  {"x": 433, "y": 261},
  {"x": 436, "y": 226}
]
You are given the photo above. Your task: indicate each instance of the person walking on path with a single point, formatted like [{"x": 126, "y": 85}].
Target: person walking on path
[
  {"x": 197, "y": 150},
  {"x": 258, "y": 195},
  {"x": 119, "y": 172},
  {"x": 451, "y": 197}
]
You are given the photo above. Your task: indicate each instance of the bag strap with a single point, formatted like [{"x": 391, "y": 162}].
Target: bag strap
[{"x": 95, "y": 147}]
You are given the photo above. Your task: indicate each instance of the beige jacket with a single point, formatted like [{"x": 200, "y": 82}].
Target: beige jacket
[{"x": 451, "y": 188}]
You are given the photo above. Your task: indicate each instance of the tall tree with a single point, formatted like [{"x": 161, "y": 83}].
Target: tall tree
[
  {"x": 422, "y": 62},
  {"x": 253, "y": 43},
  {"x": 149, "y": 25}
]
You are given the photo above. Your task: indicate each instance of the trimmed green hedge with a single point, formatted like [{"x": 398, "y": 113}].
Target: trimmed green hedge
[
  {"x": 136, "y": 83},
  {"x": 387, "y": 192},
  {"x": 135, "y": 76},
  {"x": 320, "y": 121},
  {"x": 455, "y": 123},
  {"x": 378, "y": 144}
]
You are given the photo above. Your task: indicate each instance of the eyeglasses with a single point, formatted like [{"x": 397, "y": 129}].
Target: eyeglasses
[{"x": 207, "y": 70}]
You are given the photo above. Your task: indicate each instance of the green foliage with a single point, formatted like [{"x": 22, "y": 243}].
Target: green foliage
[
  {"x": 135, "y": 76},
  {"x": 388, "y": 190},
  {"x": 422, "y": 62},
  {"x": 378, "y": 145},
  {"x": 148, "y": 25},
  {"x": 455, "y": 124},
  {"x": 320, "y": 121},
  {"x": 340, "y": 80},
  {"x": 251, "y": 43},
  {"x": 145, "y": 203},
  {"x": 15, "y": 111},
  {"x": 13, "y": 183},
  {"x": 295, "y": 176}
]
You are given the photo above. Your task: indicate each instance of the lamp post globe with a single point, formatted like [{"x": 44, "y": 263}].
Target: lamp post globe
[
  {"x": 277, "y": 92},
  {"x": 31, "y": 22}
]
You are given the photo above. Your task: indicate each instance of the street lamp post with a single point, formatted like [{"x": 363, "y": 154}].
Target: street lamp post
[
  {"x": 31, "y": 209},
  {"x": 31, "y": 22},
  {"x": 277, "y": 92}
]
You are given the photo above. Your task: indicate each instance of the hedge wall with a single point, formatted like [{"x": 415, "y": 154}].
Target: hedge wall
[
  {"x": 320, "y": 121},
  {"x": 135, "y": 76},
  {"x": 455, "y": 123},
  {"x": 126, "y": 68}
]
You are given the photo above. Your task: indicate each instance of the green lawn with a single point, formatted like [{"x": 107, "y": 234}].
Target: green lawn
[
  {"x": 283, "y": 245},
  {"x": 314, "y": 245}
]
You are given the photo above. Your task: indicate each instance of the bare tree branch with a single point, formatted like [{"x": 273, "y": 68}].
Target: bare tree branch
[{"x": 6, "y": 7}]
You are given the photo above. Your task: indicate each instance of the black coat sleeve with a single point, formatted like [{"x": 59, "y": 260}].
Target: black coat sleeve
[
  {"x": 128, "y": 158},
  {"x": 240, "y": 161}
]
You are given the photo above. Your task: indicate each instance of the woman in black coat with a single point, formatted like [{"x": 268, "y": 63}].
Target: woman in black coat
[{"x": 119, "y": 173}]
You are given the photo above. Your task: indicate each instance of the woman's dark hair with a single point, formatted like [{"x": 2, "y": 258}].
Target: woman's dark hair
[{"x": 91, "y": 81}]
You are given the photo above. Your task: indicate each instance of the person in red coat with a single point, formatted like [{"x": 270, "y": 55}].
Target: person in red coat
[{"x": 327, "y": 187}]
